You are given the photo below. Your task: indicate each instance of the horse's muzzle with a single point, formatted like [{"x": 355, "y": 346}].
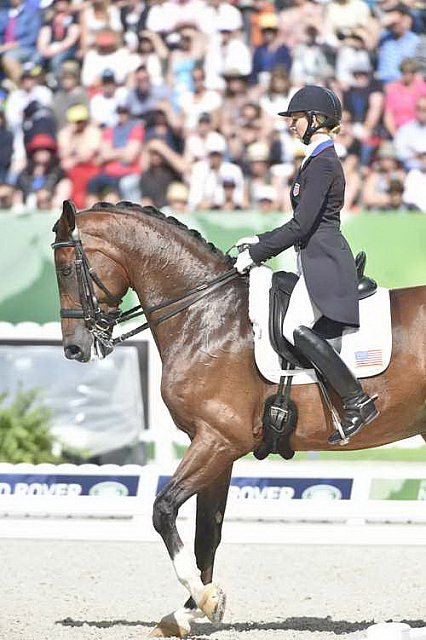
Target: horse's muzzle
[
  {"x": 73, "y": 352},
  {"x": 78, "y": 345}
]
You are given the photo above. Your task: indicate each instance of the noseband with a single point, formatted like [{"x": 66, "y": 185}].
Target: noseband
[{"x": 100, "y": 323}]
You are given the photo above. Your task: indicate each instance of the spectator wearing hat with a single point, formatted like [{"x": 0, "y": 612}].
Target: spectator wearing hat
[
  {"x": 38, "y": 119},
  {"x": 253, "y": 12},
  {"x": 384, "y": 169},
  {"x": 401, "y": 96},
  {"x": 266, "y": 198},
  {"x": 79, "y": 149},
  {"x": 19, "y": 27},
  {"x": 414, "y": 187},
  {"x": 103, "y": 105},
  {"x": 59, "y": 37},
  {"x": 410, "y": 138},
  {"x": 271, "y": 52},
  {"x": 163, "y": 167},
  {"x": 96, "y": 16},
  {"x": 207, "y": 177},
  {"x": 177, "y": 199},
  {"x": 119, "y": 154},
  {"x": 108, "y": 52},
  {"x": 258, "y": 171},
  {"x": 397, "y": 41},
  {"x": 199, "y": 101},
  {"x": 310, "y": 63},
  {"x": 69, "y": 93},
  {"x": 42, "y": 181}
]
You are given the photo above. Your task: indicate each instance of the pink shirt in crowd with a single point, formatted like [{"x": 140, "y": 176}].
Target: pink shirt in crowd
[{"x": 400, "y": 100}]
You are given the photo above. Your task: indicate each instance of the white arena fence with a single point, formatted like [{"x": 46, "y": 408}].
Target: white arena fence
[{"x": 301, "y": 502}]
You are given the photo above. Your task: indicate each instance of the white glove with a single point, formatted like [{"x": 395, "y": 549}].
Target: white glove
[
  {"x": 247, "y": 240},
  {"x": 244, "y": 261}
]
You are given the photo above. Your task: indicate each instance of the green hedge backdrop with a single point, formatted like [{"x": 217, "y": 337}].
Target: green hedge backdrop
[{"x": 395, "y": 245}]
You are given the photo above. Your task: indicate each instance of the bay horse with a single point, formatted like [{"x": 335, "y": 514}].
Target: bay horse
[{"x": 196, "y": 306}]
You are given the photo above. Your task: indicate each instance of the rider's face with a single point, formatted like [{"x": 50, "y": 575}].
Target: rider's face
[{"x": 298, "y": 123}]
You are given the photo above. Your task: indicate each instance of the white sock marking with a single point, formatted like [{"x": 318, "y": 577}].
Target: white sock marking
[{"x": 188, "y": 574}]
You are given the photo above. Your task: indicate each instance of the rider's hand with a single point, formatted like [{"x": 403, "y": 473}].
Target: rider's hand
[
  {"x": 244, "y": 261},
  {"x": 248, "y": 240}
]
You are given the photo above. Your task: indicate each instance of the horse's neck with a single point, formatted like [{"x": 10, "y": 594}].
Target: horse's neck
[{"x": 166, "y": 262}]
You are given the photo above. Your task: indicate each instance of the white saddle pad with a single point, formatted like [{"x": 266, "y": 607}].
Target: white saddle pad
[{"x": 366, "y": 351}]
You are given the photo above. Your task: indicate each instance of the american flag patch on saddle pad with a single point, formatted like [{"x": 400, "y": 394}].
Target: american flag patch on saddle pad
[{"x": 369, "y": 358}]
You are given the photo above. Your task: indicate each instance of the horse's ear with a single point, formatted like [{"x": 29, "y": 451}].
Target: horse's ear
[{"x": 68, "y": 214}]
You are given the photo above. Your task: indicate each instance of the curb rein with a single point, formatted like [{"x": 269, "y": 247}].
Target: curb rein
[{"x": 101, "y": 323}]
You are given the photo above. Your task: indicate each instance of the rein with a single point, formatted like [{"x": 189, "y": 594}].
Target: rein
[{"x": 101, "y": 323}]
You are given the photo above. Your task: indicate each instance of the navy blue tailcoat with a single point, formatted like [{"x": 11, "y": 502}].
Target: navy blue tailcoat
[{"x": 317, "y": 195}]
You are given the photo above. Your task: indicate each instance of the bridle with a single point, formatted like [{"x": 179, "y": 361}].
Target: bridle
[{"x": 101, "y": 323}]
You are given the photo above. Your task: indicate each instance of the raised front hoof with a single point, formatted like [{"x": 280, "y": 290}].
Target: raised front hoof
[
  {"x": 212, "y": 603},
  {"x": 168, "y": 627}
]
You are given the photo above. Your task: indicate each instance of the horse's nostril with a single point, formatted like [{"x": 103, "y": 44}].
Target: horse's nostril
[{"x": 73, "y": 352}]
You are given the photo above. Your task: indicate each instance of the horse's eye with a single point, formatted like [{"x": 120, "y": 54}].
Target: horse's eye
[{"x": 66, "y": 271}]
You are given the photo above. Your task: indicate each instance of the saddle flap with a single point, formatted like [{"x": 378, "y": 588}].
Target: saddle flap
[{"x": 282, "y": 285}]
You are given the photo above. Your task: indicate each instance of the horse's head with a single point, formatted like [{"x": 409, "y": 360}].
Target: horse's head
[{"x": 91, "y": 283}]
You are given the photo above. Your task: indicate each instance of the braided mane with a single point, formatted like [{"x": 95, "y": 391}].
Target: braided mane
[{"x": 124, "y": 206}]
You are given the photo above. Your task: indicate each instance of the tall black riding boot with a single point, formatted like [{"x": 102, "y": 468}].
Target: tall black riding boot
[{"x": 359, "y": 407}]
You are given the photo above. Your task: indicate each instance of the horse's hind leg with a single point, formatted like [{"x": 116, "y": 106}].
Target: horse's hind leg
[{"x": 211, "y": 504}]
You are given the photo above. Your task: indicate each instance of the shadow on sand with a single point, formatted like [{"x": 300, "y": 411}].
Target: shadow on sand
[{"x": 305, "y": 623}]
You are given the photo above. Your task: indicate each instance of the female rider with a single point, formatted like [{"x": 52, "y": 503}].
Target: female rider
[{"x": 327, "y": 285}]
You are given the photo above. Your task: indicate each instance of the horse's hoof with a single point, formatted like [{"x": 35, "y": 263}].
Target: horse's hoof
[
  {"x": 212, "y": 603},
  {"x": 168, "y": 627}
]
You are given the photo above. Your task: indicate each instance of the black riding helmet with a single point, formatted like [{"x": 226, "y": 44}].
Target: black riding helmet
[{"x": 315, "y": 100}]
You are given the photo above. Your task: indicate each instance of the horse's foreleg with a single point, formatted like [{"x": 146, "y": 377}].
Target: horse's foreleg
[
  {"x": 206, "y": 459},
  {"x": 211, "y": 505}
]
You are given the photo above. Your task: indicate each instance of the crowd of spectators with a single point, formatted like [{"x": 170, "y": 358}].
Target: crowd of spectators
[{"x": 175, "y": 102}]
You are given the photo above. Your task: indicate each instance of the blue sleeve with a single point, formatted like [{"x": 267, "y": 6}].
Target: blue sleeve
[{"x": 31, "y": 25}]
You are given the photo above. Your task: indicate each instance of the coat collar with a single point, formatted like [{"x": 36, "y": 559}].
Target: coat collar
[{"x": 314, "y": 148}]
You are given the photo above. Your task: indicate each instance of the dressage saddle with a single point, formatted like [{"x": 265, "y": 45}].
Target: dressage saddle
[{"x": 283, "y": 283}]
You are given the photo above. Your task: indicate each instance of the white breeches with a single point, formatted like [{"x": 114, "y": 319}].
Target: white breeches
[{"x": 301, "y": 310}]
